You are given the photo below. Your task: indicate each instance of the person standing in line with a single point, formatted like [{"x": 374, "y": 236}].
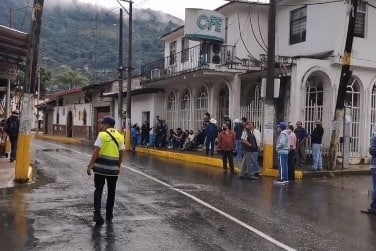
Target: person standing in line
[
  {"x": 301, "y": 135},
  {"x": 249, "y": 147},
  {"x": 145, "y": 130},
  {"x": 292, "y": 154},
  {"x": 211, "y": 135},
  {"x": 105, "y": 163},
  {"x": 372, "y": 151},
  {"x": 316, "y": 140},
  {"x": 12, "y": 128},
  {"x": 238, "y": 130},
  {"x": 135, "y": 132},
  {"x": 257, "y": 134},
  {"x": 227, "y": 143},
  {"x": 283, "y": 147}
]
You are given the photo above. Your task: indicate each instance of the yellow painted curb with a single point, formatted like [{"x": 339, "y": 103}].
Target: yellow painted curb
[
  {"x": 209, "y": 161},
  {"x": 275, "y": 173}
]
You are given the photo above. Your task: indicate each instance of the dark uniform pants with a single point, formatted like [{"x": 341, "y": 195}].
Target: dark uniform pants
[{"x": 99, "y": 181}]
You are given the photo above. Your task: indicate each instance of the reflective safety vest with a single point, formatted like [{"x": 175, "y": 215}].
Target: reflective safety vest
[{"x": 108, "y": 161}]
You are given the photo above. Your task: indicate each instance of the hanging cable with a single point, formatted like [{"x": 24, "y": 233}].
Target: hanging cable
[
  {"x": 24, "y": 16},
  {"x": 259, "y": 28},
  {"x": 253, "y": 31},
  {"x": 245, "y": 46}
]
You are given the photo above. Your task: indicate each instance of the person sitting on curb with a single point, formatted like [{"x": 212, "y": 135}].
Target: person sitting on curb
[{"x": 372, "y": 151}]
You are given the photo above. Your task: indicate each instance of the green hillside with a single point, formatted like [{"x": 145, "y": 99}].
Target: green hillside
[{"x": 85, "y": 37}]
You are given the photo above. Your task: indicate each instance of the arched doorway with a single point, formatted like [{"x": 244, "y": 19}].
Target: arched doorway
[
  {"x": 170, "y": 111},
  {"x": 254, "y": 110},
  {"x": 373, "y": 110},
  {"x": 353, "y": 102},
  {"x": 185, "y": 110},
  {"x": 223, "y": 104},
  {"x": 70, "y": 124},
  {"x": 201, "y": 106},
  {"x": 314, "y": 102}
]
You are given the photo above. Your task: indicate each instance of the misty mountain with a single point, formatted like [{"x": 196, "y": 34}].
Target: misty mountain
[{"x": 85, "y": 37}]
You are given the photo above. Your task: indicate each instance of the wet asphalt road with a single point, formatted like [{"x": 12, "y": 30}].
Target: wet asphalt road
[{"x": 171, "y": 205}]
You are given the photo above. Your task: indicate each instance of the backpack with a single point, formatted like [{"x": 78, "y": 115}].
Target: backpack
[{"x": 12, "y": 127}]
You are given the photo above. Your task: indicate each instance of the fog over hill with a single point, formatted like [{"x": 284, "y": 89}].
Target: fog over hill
[{"x": 85, "y": 36}]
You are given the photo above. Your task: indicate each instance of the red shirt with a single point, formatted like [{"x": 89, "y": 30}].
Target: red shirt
[{"x": 226, "y": 141}]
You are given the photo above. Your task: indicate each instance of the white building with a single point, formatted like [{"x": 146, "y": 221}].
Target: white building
[{"x": 216, "y": 62}]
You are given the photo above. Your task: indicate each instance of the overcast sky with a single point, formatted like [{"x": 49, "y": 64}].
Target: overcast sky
[{"x": 173, "y": 7}]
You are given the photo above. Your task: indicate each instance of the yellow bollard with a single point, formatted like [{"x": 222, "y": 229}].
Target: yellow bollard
[{"x": 23, "y": 172}]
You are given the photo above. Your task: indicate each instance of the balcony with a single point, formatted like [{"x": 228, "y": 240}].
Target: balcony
[{"x": 204, "y": 56}]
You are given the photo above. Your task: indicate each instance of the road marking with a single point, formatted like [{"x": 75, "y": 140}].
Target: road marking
[{"x": 250, "y": 228}]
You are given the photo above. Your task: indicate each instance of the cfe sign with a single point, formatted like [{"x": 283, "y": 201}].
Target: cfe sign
[
  {"x": 8, "y": 71},
  {"x": 204, "y": 25}
]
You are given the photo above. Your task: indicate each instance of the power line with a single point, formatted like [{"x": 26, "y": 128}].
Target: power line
[{"x": 253, "y": 32}]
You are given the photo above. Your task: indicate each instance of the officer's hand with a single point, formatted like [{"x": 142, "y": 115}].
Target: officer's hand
[{"x": 88, "y": 170}]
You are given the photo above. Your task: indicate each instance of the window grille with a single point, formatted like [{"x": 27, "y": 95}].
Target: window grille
[
  {"x": 353, "y": 101},
  {"x": 184, "y": 112},
  {"x": 360, "y": 20},
  {"x": 223, "y": 105},
  {"x": 170, "y": 110},
  {"x": 298, "y": 23},
  {"x": 201, "y": 107}
]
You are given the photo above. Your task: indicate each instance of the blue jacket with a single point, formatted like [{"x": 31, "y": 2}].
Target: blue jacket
[
  {"x": 211, "y": 131},
  {"x": 372, "y": 151}
]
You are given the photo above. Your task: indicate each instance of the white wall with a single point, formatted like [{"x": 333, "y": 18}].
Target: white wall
[
  {"x": 247, "y": 13},
  {"x": 326, "y": 31}
]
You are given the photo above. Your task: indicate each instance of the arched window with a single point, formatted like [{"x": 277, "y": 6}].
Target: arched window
[
  {"x": 201, "y": 106},
  {"x": 185, "y": 109},
  {"x": 353, "y": 102},
  {"x": 170, "y": 111},
  {"x": 223, "y": 105}
]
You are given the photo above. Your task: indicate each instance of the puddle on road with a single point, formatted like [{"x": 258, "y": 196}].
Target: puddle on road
[
  {"x": 54, "y": 150},
  {"x": 188, "y": 187}
]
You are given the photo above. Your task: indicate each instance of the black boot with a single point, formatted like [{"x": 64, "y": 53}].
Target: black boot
[{"x": 98, "y": 219}]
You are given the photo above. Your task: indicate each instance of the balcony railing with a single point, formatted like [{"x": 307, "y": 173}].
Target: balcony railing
[{"x": 203, "y": 56}]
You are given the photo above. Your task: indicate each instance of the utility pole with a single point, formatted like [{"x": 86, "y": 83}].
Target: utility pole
[
  {"x": 23, "y": 170},
  {"x": 129, "y": 83},
  {"x": 121, "y": 71},
  {"x": 341, "y": 95},
  {"x": 269, "y": 109}
]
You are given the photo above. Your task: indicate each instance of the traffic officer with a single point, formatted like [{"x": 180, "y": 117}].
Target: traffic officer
[{"x": 105, "y": 163}]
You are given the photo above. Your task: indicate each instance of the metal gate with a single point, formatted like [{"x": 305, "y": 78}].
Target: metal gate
[
  {"x": 313, "y": 106},
  {"x": 353, "y": 101},
  {"x": 373, "y": 111},
  {"x": 254, "y": 111}
]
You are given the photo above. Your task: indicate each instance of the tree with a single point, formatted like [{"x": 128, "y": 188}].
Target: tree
[
  {"x": 45, "y": 81},
  {"x": 70, "y": 79}
]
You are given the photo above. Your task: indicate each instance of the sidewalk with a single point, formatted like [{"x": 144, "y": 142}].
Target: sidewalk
[
  {"x": 7, "y": 173},
  {"x": 199, "y": 157}
]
